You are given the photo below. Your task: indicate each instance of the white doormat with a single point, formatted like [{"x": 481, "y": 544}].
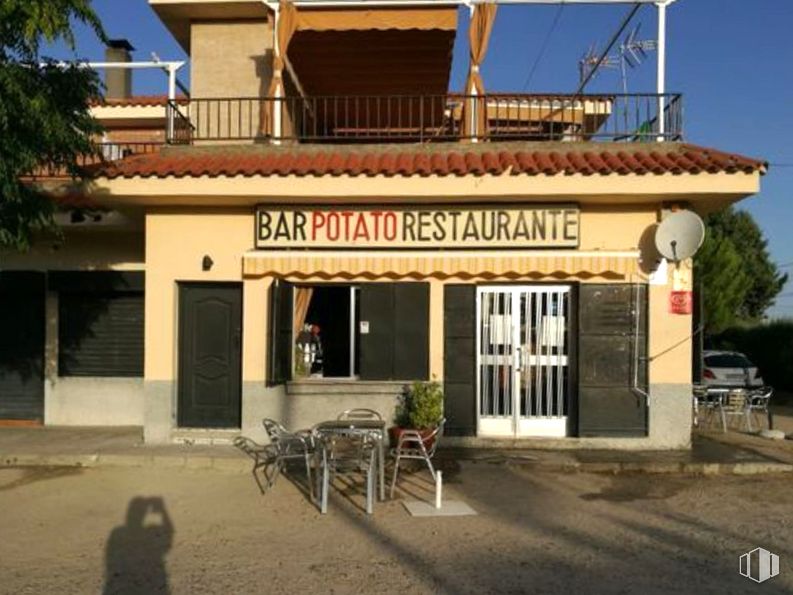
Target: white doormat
[{"x": 448, "y": 508}]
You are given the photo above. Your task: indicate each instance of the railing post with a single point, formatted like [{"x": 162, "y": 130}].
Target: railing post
[
  {"x": 661, "y": 74},
  {"x": 276, "y": 111},
  {"x": 172, "y": 81},
  {"x": 169, "y": 121},
  {"x": 474, "y": 116},
  {"x": 277, "y": 118}
]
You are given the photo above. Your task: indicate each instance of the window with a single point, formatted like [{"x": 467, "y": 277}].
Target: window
[
  {"x": 373, "y": 331},
  {"x": 727, "y": 360},
  {"x": 326, "y": 323},
  {"x": 100, "y": 324}
]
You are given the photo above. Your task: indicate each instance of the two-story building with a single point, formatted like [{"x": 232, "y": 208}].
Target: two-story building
[{"x": 320, "y": 180}]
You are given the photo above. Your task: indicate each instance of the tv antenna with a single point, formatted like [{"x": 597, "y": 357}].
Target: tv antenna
[
  {"x": 629, "y": 55},
  {"x": 591, "y": 62}
]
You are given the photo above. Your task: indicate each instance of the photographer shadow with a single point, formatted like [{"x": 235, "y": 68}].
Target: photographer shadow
[{"x": 135, "y": 552}]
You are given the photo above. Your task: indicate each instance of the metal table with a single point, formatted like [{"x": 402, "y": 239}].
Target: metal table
[
  {"x": 717, "y": 398},
  {"x": 373, "y": 427}
]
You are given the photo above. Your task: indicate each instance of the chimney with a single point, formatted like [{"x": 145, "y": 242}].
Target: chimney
[{"x": 118, "y": 81}]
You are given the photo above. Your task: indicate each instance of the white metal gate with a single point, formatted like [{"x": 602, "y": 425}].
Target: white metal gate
[{"x": 522, "y": 360}]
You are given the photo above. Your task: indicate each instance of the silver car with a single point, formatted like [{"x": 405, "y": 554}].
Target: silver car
[{"x": 729, "y": 368}]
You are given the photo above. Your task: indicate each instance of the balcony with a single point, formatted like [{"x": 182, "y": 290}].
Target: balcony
[
  {"x": 401, "y": 119},
  {"x": 426, "y": 118}
]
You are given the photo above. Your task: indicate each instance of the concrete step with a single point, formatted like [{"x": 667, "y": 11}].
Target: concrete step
[{"x": 204, "y": 437}]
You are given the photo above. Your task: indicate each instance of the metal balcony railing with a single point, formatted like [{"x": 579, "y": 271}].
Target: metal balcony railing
[
  {"x": 104, "y": 152},
  {"x": 427, "y": 118}
]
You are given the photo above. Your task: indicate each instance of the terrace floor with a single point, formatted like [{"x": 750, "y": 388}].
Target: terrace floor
[{"x": 64, "y": 530}]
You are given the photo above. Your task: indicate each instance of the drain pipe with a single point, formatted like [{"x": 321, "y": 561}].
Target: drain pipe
[{"x": 635, "y": 388}]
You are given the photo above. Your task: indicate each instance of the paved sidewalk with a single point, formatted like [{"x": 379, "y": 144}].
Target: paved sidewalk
[
  {"x": 712, "y": 454},
  {"x": 709, "y": 455},
  {"x": 98, "y": 446}
]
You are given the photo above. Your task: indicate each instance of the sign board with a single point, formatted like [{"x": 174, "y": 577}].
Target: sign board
[
  {"x": 681, "y": 302},
  {"x": 429, "y": 227}
]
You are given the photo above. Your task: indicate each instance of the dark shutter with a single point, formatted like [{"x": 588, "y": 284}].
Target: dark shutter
[
  {"x": 22, "y": 345},
  {"x": 411, "y": 331},
  {"x": 377, "y": 344},
  {"x": 608, "y": 320},
  {"x": 396, "y": 346},
  {"x": 281, "y": 341},
  {"x": 459, "y": 359},
  {"x": 100, "y": 334}
]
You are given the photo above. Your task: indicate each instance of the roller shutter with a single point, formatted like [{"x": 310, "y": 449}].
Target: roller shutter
[
  {"x": 22, "y": 345},
  {"x": 100, "y": 334},
  {"x": 100, "y": 323}
]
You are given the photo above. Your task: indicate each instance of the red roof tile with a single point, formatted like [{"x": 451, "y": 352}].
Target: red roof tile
[{"x": 440, "y": 160}]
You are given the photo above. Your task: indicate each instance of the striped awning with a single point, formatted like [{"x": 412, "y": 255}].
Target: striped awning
[{"x": 555, "y": 265}]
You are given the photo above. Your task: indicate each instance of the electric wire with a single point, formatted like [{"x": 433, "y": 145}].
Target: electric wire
[{"x": 557, "y": 17}]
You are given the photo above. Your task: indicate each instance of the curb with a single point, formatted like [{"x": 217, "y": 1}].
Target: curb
[
  {"x": 221, "y": 464},
  {"x": 710, "y": 469},
  {"x": 243, "y": 465}
]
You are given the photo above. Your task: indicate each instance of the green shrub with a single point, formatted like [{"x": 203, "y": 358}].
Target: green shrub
[{"x": 421, "y": 406}]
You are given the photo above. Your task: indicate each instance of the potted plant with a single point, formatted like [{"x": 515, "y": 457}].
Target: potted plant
[{"x": 420, "y": 408}]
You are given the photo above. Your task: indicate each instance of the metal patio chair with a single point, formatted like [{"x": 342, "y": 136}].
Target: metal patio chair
[
  {"x": 759, "y": 400},
  {"x": 707, "y": 404},
  {"x": 359, "y": 413},
  {"x": 344, "y": 454},
  {"x": 290, "y": 446},
  {"x": 735, "y": 404},
  {"x": 263, "y": 456},
  {"x": 412, "y": 445}
]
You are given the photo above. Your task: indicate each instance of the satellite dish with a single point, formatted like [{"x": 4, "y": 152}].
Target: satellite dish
[{"x": 680, "y": 235}]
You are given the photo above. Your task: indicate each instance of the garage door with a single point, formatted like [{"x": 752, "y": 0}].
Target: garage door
[{"x": 22, "y": 345}]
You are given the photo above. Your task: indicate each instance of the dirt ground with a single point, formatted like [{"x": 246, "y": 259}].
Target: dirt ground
[{"x": 66, "y": 531}]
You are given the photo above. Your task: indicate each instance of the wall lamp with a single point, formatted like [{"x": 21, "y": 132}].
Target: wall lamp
[{"x": 206, "y": 262}]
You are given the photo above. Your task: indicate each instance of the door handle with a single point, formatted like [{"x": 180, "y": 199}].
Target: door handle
[{"x": 519, "y": 355}]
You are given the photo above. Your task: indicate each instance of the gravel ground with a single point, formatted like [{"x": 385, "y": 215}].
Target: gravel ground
[{"x": 65, "y": 531}]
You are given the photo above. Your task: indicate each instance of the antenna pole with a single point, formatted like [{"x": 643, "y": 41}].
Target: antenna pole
[{"x": 661, "y": 82}]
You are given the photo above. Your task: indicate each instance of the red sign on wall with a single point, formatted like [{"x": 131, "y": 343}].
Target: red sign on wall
[{"x": 681, "y": 302}]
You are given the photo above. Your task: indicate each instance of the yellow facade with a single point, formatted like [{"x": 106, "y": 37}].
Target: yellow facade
[{"x": 178, "y": 238}]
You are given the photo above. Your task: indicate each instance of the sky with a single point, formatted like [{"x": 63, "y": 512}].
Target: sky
[{"x": 731, "y": 59}]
